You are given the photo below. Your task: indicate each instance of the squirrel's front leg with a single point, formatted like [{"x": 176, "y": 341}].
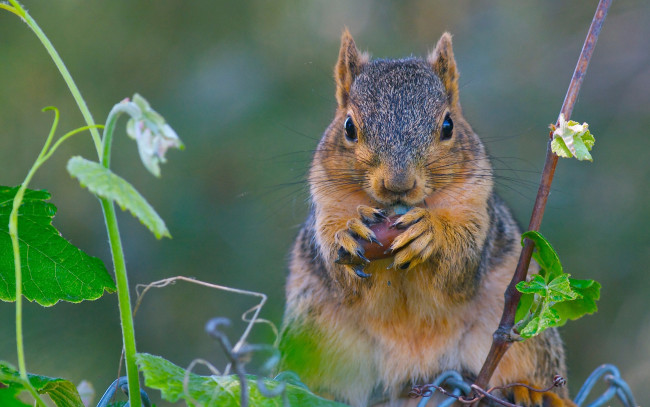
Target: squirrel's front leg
[
  {"x": 416, "y": 244},
  {"x": 456, "y": 235},
  {"x": 349, "y": 251}
]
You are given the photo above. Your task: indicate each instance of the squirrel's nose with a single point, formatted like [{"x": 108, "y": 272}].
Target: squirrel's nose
[{"x": 400, "y": 184}]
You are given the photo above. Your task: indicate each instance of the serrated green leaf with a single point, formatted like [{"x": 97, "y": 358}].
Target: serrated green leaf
[
  {"x": 544, "y": 255},
  {"x": 559, "y": 289},
  {"x": 52, "y": 269},
  {"x": 104, "y": 183},
  {"x": 222, "y": 391},
  {"x": 547, "y": 318},
  {"x": 588, "y": 139},
  {"x": 562, "y": 299},
  {"x": 62, "y": 392},
  {"x": 554, "y": 296},
  {"x": 589, "y": 291},
  {"x": 558, "y": 146},
  {"x": 536, "y": 285}
]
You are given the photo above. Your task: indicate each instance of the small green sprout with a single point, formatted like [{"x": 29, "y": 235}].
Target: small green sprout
[
  {"x": 572, "y": 139},
  {"x": 152, "y": 133}
]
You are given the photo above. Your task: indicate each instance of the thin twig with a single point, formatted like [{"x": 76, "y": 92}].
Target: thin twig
[
  {"x": 491, "y": 397},
  {"x": 246, "y": 317},
  {"x": 213, "y": 328},
  {"x": 425, "y": 391},
  {"x": 502, "y": 338}
]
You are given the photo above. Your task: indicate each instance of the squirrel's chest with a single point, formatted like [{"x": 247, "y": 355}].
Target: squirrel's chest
[{"x": 412, "y": 327}]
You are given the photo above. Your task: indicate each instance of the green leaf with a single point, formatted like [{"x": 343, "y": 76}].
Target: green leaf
[
  {"x": 52, "y": 269},
  {"x": 588, "y": 139},
  {"x": 536, "y": 285},
  {"x": 559, "y": 289},
  {"x": 589, "y": 292},
  {"x": 583, "y": 143},
  {"x": 104, "y": 183},
  {"x": 8, "y": 397},
  {"x": 523, "y": 307},
  {"x": 558, "y": 146},
  {"x": 572, "y": 139},
  {"x": 554, "y": 296},
  {"x": 222, "y": 391},
  {"x": 547, "y": 318},
  {"x": 62, "y": 392},
  {"x": 562, "y": 299},
  {"x": 544, "y": 255}
]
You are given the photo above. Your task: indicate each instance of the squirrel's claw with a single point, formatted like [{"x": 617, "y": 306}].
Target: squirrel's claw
[
  {"x": 370, "y": 215},
  {"x": 360, "y": 229},
  {"x": 360, "y": 255},
  {"x": 404, "y": 266},
  {"x": 348, "y": 240},
  {"x": 413, "y": 216},
  {"x": 343, "y": 256},
  {"x": 359, "y": 272},
  {"x": 415, "y": 245},
  {"x": 346, "y": 258},
  {"x": 349, "y": 251},
  {"x": 413, "y": 254},
  {"x": 374, "y": 240}
]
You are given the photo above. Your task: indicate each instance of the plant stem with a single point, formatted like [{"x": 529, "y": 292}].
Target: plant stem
[
  {"x": 109, "y": 213},
  {"x": 124, "y": 300},
  {"x": 123, "y": 295},
  {"x": 20, "y": 349},
  {"x": 502, "y": 338},
  {"x": 13, "y": 233},
  {"x": 115, "y": 113}
]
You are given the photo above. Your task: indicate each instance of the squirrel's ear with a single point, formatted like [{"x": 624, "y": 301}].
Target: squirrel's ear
[
  {"x": 443, "y": 63},
  {"x": 347, "y": 67}
]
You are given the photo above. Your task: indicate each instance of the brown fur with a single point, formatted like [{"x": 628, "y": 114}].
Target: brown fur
[{"x": 438, "y": 303}]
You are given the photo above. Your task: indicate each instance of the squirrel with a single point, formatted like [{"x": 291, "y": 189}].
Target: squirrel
[{"x": 363, "y": 332}]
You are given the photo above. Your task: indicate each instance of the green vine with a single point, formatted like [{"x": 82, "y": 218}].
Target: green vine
[
  {"x": 44, "y": 155},
  {"x": 153, "y": 130}
]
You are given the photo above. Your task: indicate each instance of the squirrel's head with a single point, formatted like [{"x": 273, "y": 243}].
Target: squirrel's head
[{"x": 398, "y": 132}]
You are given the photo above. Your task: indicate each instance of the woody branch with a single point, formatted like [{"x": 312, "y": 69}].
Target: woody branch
[{"x": 503, "y": 338}]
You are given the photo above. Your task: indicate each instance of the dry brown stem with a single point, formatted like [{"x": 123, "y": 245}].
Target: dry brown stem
[{"x": 503, "y": 338}]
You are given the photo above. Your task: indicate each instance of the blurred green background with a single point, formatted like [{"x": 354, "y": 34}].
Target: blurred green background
[{"x": 248, "y": 87}]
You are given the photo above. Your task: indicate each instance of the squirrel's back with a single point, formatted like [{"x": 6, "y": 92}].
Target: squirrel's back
[{"x": 365, "y": 330}]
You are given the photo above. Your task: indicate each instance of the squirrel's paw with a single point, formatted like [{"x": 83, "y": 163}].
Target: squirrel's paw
[
  {"x": 522, "y": 396},
  {"x": 350, "y": 253},
  {"x": 415, "y": 245}
]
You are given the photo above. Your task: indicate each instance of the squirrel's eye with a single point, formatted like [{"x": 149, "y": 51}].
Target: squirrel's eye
[
  {"x": 447, "y": 128},
  {"x": 350, "y": 130}
]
